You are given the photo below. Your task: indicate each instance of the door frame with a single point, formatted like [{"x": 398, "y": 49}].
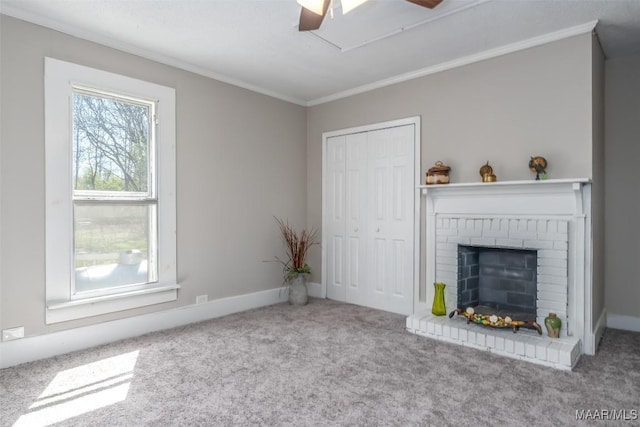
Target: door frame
[{"x": 415, "y": 121}]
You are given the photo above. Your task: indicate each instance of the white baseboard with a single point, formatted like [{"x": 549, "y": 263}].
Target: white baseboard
[
  {"x": 627, "y": 323},
  {"x": 315, "y": 289},
  {"x": 40, "y": 347}
]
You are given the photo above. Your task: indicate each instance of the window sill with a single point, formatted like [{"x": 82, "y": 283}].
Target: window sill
[{"x": 62, "y": 311}]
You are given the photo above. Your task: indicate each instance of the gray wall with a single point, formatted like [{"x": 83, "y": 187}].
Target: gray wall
[
  {"x": 622, "y": 200},
  {"x": 506, "y": 109},
  {"x": 598, "y": 185},
  {"x": 241, "y": 158}
]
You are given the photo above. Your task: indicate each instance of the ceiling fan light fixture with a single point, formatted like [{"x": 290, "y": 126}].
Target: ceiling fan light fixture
[
  {"x": 349, "y": 5},
  {"x": 315, "y": 6}
]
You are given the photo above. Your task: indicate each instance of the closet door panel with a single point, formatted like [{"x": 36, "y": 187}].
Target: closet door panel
[
  {"x": 335, "y": 221},
  {"x": 356, "y": 147},
  {"x": 391, "y": 173}
]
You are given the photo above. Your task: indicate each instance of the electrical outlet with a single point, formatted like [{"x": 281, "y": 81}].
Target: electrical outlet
[
  {"x": 202, "y": 299},
  {"x": 13, "y": 333}
]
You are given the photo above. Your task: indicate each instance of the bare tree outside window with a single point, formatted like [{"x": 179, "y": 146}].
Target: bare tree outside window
[
  {"x": 111, "y": 144},
  {"x": 113, "y": 238}
]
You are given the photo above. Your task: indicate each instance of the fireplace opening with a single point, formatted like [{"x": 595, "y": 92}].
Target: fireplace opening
[{"x": 498, "y": 281}]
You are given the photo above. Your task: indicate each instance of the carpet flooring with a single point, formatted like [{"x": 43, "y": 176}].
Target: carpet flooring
[{"x": 323, "y": 364}]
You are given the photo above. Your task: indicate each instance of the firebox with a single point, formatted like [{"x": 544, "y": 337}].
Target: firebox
[{"x": 498, "y": 280}]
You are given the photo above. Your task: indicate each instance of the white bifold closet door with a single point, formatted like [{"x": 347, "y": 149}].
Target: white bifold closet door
[{"x": 369, "y": 218}]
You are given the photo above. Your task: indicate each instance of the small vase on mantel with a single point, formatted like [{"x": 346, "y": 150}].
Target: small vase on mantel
[
  {"x": 553, "y": 324},
  {"x": 438, "y": 308}
]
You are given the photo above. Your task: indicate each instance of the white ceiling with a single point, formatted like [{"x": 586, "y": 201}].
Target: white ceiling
[{"x": 255, "y": 43}]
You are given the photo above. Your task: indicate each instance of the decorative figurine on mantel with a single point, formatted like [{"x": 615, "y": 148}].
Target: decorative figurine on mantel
[
  {"x": 538, "y": 164},
  {"x": 486, "y": 172}
]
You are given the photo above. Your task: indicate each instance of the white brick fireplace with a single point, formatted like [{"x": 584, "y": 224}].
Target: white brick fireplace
[{"x": 551, "y": 217}]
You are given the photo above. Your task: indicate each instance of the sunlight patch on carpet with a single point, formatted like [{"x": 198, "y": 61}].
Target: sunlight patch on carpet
[{"x": 82, "y": 389}]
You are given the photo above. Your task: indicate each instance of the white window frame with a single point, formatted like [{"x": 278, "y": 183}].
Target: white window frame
[{"x": 60, "y": 78}]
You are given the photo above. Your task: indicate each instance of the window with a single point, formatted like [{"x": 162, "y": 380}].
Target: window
[{"x": 110, "y": 190}]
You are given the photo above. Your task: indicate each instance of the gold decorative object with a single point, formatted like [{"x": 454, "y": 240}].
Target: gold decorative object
[
  {"x": 486, "y": 172},
  {"x": 538, "y": 165},
  {"x": 439, "y": 174}
]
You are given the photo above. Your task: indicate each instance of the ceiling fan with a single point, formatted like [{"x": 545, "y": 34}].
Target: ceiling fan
[{"x": 314, "y": 11}]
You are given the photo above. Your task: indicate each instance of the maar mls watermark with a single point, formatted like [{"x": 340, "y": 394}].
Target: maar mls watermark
[{"x": 607, "y": 414}]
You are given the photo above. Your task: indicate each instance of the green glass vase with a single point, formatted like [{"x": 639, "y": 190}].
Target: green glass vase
[
  {"x": 438, "y": 308},
  {"x": 553, "y": 324}
]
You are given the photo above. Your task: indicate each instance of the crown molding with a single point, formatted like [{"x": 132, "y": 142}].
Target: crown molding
[
  {"x": 487, "y": 54},
  {"x": 53, "y": 24},
  {"x": 56, "y": 25}
]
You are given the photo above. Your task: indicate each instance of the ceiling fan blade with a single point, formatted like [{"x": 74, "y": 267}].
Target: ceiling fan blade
[
  {"x": 311, "y": 21},
  {"x": 426, "y": 3}
]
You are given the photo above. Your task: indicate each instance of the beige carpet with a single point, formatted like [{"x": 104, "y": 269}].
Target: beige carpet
[{"x": 323, "y": 364}]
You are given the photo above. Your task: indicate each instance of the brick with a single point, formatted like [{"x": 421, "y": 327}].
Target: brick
[
  {"x": 453, "y": 223},
  {"x": 552, "y": 296},
  {"x": 553, "y": 262},
  {"x": 565, "y": 355},
  {"x": 513, "y": 225},
  {"x": 446, "y": 232},
  {"x": 438, "y": 329},
  {"x": 538, "y": 244},
  {"x": 552, "y": 271},
  {"x": 483, "y": 241},
  {"x": 552, "y": 226},
  {"x": 470, "y": 232},
  {"x": 561, "y": 245},
  {"x": 439, "y": 223},
  {"x": 495, "y": 233},
  {"x": 532, "y": 225},
  {"x": 552, "y": 306},
  {"x": 510, "y": 243},
  {"x": 519, "y": 348},
  {"x": 495, "y": 224},
  {"x": 530, "y": 349},
  {"x": 524, "y": 235},
  {"x": 509, "y": 345},
  {"x": 447, "y": 267},
  {"x": 522, "y": 225},
  {"x": 471, "y": 337},
  {"x": 486, "y": 224},
  {"x": 552, "y": 253},
  {"x": 561, "y": 237},
  {"x": 431, "y": 328},
  {"x": 446, "y": 259},
  {"x": 491, "y": 341},
  {"x": 463, "y": 334},
  {"x": 552, "y": 280},
  {"x": 454, "y": 332},
  {"x": 481, "y": 339},
  {"x": 423, "y": 324},
  {"x": 446, "y": 331},
  {"x": 553, "y": 352},
  {"x": 563, "y": 226},
  {"x": 542, "y": 226},
  {"x": 441, "y": 238},
  {"x": 541, "y": 350},
  {"x": 459, "y": 240}
]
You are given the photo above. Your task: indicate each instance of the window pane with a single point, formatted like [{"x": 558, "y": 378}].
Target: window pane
[
  {"x": 110, "y": 144},
  {"x": 113, "y": 245}
]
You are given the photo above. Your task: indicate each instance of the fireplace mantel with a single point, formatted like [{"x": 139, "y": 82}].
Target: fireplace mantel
[{"x": 551, "y": 216}]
